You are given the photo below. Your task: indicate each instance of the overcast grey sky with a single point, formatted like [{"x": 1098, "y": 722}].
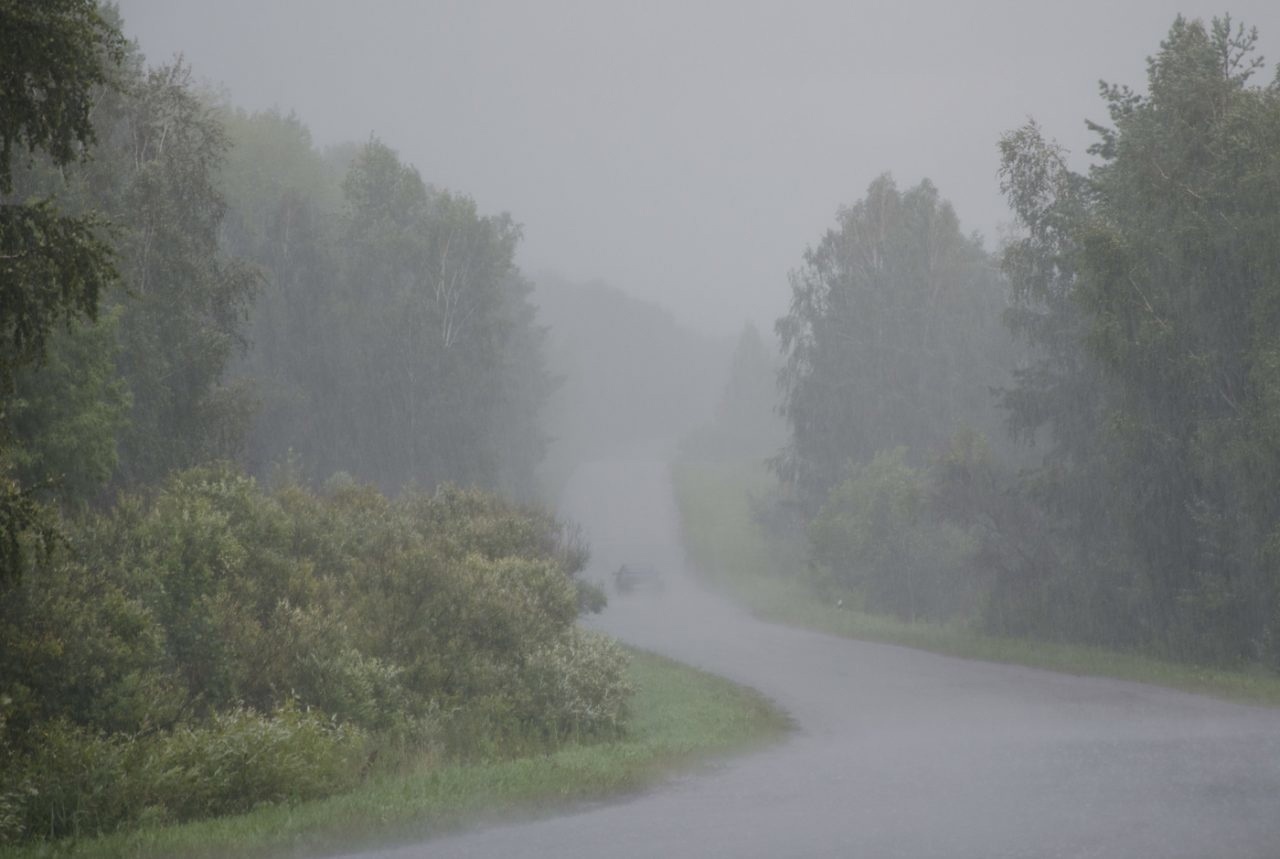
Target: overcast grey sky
[{"x": 688, "y": 151}]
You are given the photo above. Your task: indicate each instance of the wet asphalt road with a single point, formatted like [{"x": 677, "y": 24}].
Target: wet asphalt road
[{"x": 898, "y": 753}]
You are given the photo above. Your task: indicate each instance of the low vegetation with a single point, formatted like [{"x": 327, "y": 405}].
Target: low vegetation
[
  {"x": 1072, "y": 440},
  {"x": 676, "y": 717},
  {"x": 216, "y": 646},
  {"x": 191, "y": 296},
  {"x": 721, "y": 505},
  {"x": 1064, "y": 454}
]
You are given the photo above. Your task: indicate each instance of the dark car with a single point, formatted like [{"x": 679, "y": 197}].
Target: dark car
[{"x": 636, "y": 577}]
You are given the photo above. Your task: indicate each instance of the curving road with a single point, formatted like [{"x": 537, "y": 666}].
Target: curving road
[{"x": 899, "y": 753}]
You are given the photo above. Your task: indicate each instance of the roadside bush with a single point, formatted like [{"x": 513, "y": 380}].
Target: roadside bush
[
  {"x": 78, "y": 782},
  {"x": 578, "y": 686},
  {"x": 321, "y": 666},
  {"x": 11, "y": 823},
  {"x": 876, "y": 538},
  {"x": 75, "y": 781},
  {"x": 214, "y": 560},
  {"x": 77, "y": 645},
  {"x": 1035, "y": 577},
  {"x": 243, "y": 759},
  {"x": 216, "y": 646}
]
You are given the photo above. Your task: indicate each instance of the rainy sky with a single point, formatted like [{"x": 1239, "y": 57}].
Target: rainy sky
[{"x": 686, "y": 152}]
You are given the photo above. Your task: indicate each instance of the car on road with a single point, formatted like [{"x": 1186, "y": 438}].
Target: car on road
[{"x": 637, "y": 577}]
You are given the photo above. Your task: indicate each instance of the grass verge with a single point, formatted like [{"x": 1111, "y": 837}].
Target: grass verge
[
  {"x": 770, "y": 579},
  {"x": 679, "y": 716}
]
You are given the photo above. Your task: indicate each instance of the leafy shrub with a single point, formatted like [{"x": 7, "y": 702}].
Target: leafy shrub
[
  {"x": 1032, "y": 575},
  {"x": 78, "y": 782},
  {"x": 75, "y": 781},
  {"x": 322, "y": 667},
  {"x": 243, "y": 759},
  {"x": 875, "y": 537},
  {"x": 78, "y": 646},
  {"x": 578, "y": 686},
  {"x": 137, "y": 664}
]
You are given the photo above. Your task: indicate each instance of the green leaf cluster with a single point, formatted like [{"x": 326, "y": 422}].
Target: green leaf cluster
[
  {"x": 892, "y": 340},
  {"x": 53, "y": 267},
  {"x": 181, "y": 635},
  {"x": 393, "y": 337},
  {"x": 1148, "y": 288},
  {"x": 1144, "y": 295}
]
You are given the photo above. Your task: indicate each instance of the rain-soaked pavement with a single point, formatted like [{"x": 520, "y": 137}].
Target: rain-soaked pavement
[{"x": 899, "y": 753}]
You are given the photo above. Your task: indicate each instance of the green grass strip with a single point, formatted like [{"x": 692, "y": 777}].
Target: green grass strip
[
  {"x": 770, "y": 579},
  {"x": 680, "y": 716}
]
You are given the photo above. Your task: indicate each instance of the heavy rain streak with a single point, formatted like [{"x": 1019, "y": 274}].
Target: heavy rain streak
[{"x": 669, "y": 429}]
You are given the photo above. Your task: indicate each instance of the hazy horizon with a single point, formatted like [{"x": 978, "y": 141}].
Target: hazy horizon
[{"x": 687, "y": 154}]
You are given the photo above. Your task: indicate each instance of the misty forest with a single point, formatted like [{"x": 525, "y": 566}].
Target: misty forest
[{"x": 284, "y": 428}]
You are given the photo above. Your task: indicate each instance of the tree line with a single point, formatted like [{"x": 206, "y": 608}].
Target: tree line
[
  {"x": 241, "y": 382},
  {"x": 1075, "y": 437},
  {"x": 394, "y": 336},
  {"x": 248, "y": 297}
]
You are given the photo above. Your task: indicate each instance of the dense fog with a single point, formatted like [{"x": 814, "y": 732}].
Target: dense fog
[
  {"x": 375, "y": 380},
  {"x": 685, "y": 153}
]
